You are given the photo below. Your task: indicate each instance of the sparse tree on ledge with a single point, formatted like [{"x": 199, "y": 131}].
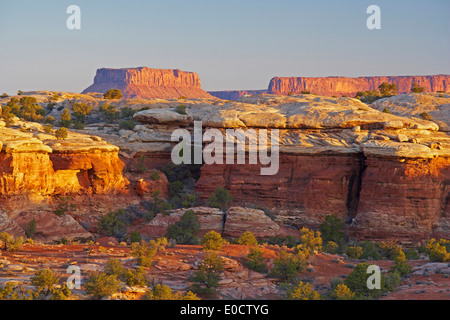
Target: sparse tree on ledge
[{"x": 113, "y": 94}]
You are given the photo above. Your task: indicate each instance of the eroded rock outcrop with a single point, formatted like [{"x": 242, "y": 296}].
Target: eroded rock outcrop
[
  {"x": 329, "y": 86},
  {"x": 147, "y": 83}
]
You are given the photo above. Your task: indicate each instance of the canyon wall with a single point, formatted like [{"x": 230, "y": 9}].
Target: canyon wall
[
  {"x": 149, "y": 83},
  {"x": 338, "y": 86}
]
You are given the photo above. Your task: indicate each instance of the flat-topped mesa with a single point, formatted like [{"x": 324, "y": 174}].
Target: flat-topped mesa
[
  {"x": 338, "y": 86},
  {"x": 149, "y": 83}
]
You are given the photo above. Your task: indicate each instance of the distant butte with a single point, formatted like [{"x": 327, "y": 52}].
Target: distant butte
[
  {"x": 338, "y": 86},
  {"x": 147, "y": 83}
]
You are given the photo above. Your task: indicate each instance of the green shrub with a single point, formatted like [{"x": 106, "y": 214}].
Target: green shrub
[
  {"x": 80, "y": 111},
  {"x": 61, "y": 133},
  {"x": 303, "y": 291},
  {"x": 113, "y": 94},
  {"x": 220, "y": 199},
  {"x": 49, "y": 119},
  {"x": 44, "y": 280},
  {"x": 370, "y": 250},
  {"x": 146, "y": 251},
  {"x": 287, "y": 266},
  {"x": 247, "y": 238},
  {"x": 127, "y": 112},
  {"x": 212, "y": 241},
  {"x": 15, "y": 291},
  {"x": 416, "y": 88},
  {"x": 127, "y": 124},
  {"x": 426, "y": 116},
  {"x": 100, "y": 284},
  {"x": 114, "y": 224},
  {"x": 412, "y": 254},
  {"x": 354, "y": 252},
  {"x": 78, "y": 125},
  {"x": 342, "y": 292},
  {"x": 66, "y": 119},
  {"x": 332, "y": 229},
  {"x": 357, "y": 283},
  {"x": 185, "y": 230},
  {"x": 31, "y": 228},
  {"x": 155, "y": 176},
  {"x": 11, "y": 243},
  {"x": 255, "y": 260},
  {"x": 331, "y": 247},
  {"x": 181, "y": 109},
  {"x": 135, "y": 236},
  {"x": 48, "y": 129},
  {"x": 163, "y": 292},
  {"x": 386, "y": 110},
  {"x": 109, "y": 112},
  {"x": 63, "y": 205},
  {"x": 310, "y": 242},
  {"x": 206, "y": 278},
  {"x": 437, "y": 250}
]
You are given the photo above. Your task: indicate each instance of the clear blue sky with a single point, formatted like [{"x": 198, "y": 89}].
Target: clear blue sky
[{"x": 231, "y": 44}]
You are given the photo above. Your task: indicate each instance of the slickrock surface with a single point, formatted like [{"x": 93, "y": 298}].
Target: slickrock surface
[
  {"x": 147, "y": 83},
  {"x": 329, "y": 86},
  {"x": 414, "y": 105}
]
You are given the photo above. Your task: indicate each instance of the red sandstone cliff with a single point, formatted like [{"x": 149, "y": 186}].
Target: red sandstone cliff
[
  {"x": 145, "y": 83},
  {"x": 329, "y": 86}
]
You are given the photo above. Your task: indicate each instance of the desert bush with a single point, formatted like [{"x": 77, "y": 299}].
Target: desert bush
[
  {"x": 100, "y": 284},
  {"x": 127, "y": 124},
  {"x": 247, "y": 238},
  {"x": 49, "y": 119},
  {"x": 11, "y": 243},
  {"x": 437, "y": 250},
  {"x": 287, "y": 266},
  {"x": 185, "y": 230},
  {"x": 126, "y": 112},
  {"x": 113, "y": 94},
  {"x": 155, "y": 176},
  {"x": 303, "y": 291},
  {"x": 30, "y": 230},
  {"x": 426, "y": 116},
  {"x": 78, "y": 125},
  {"x": 114, "y": 223},
  {"x": 357, "y": 283},
  {"x": 212, "y": 241},
  {"x": 15, "y": 291},
  {"x": 146, "y": 251},
  {"x": 66, "y": 119},
  {"x": 416, "y": 88},
  {"x": 63, "y": 205},
  {"x": 310, "y": 242},
  {"x": 135, "y": 236},
  {"x": 109, "y": 112},
  {"x": 44, "y": 280},
  {"x": 61, "y": 133},
  {"x": 289, "y": 241},
  {"x": 206, "y": 278},
  {"x": 331, "y": 247},
  {"x": 80, "y": 110},
  {"x": 255, "y": 260},
  {"x": 388, "y": 89},
  {"x": 163, "y": 292},
  {"x": 220, "y": 199},
  {"x": 370, "y": 250},
  {"x": 181, "y": 109},
  {"x": 412, "y": 254},
  {"x": 332, "y": 229},
  {"x": 342, "y": 292},
  {"x": 48, "y": 128},
  {"x": 354, "y": 252}
]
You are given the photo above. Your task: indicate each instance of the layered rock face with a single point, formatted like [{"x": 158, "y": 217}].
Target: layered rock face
[
  {"x": 148, "y": 83},
  {"x": 385, "y": 175},
  {"x": 338, "y": 86},
  {"x": 47, "y": 167}
]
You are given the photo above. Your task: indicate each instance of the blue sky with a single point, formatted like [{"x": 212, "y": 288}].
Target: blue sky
[{"x": 231, "y": 44}]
